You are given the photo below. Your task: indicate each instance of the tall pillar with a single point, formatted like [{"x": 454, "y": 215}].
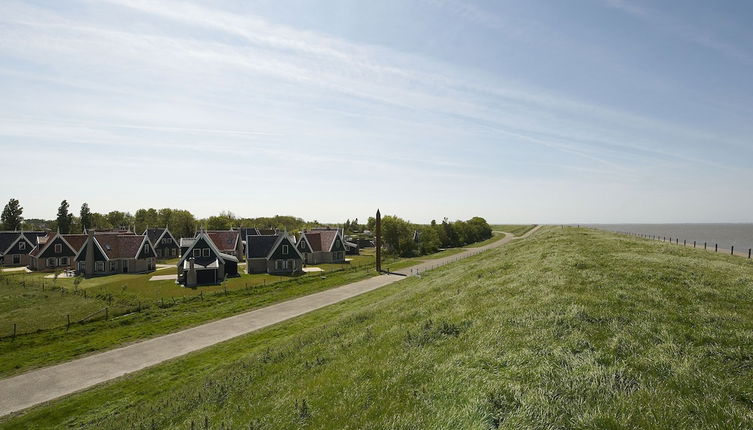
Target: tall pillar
[{"x": 378, "y": 241}]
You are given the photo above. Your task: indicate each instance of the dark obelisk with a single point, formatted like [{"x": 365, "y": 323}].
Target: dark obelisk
[{"x": 378, "y": 242}]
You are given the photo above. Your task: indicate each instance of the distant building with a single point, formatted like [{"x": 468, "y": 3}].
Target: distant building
[
  {"x": 15, "y": 246},
  {"x": 202, "y": 263},
  {"x": 164, "y": 243},
  {"x": 275, "y": 254},
  {"x": 110, "y": 253},
  {"x": 322, "y": 245}
]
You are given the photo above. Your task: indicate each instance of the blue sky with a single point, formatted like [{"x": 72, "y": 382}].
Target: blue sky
[{"x": 545, "y": 111}]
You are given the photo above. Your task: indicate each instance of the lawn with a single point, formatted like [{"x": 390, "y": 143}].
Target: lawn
[
  {"x": 569, "y": 329},
  {"x": 515, "y": 229}
]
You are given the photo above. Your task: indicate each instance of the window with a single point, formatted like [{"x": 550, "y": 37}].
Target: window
[
  {"x": 113, "y": 266},
  {"x": 16, "y": 259},
  {"x": 63, "y": 261},
  {"x": 21, "y": 246},
  {"x": 99, "y": 266},
  {"x": 58, "y": 248},
  {"x": 51, "y": 262},
  {"x": 285, "y": 249},
  {"x": 197, "y": 252},
  {"x": 291, "y": 264},
  {"x": 278, "y": 264},
  {"x": 172, "y": 252},
  {"x": 206, "y": 252},
  {"x": 146, "y": 248}
]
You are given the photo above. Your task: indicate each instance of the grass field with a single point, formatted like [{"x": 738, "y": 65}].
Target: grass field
[
  {"x": 515, "y": 229},
  {"x": 156, "y": 317},
  {"x": 571, "y": 328}
]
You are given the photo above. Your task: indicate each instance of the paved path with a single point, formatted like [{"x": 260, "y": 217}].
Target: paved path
[
  {"x": 42, "y": 385},
  {"x": 164, "y": 278}
]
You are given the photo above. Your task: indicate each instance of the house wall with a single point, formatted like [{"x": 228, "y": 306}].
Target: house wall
[
  {"x": 322, "y": 257},
  {"x": 142, "y": 265},
  {"x": 7, "y": 260},
  {"x": 256, "y": 265},
  {"x": 295, "y": 266}
]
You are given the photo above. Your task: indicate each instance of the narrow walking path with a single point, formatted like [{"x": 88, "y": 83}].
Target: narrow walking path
[{"x": 42, "y": 385}]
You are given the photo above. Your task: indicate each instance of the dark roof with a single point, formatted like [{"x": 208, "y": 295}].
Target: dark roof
[
  {"x": 154, "y": 233},
  {"x": 224, "y": 240},
  {"x": 260, "y": 246},
  {"x": 7, "y": 238}
]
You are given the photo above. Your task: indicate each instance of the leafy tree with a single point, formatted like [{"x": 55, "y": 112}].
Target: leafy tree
[
  {"x": 429, "y": 242},
  {"x": 100, "y": 222},
  {"x": 118, "y": 219},
  {"x": 85, "y": 217},
  {"x": 371, "y": 223},
  {"x": 144, "y": 218},
  {"x": 11, "y": 217},
  {"x": 64, "y": 219},
  {"x": 398, "y": 236}
]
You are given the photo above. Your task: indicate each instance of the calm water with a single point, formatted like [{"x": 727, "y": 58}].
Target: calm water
[{"x": 726, "y": 235}]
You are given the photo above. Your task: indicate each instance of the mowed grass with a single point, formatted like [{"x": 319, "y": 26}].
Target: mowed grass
[
  {"x": 159, "y": 317},
  {"x": 568, "y": 329},
  {"x": 515, "y": 229}
]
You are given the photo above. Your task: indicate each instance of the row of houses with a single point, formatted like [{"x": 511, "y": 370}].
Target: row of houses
[
  {"x": 207, "y": 258},
  {"x": 203, "y": 261}
]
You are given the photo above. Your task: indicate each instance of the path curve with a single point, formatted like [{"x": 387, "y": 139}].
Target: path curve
[{"x": 49, "y": 383}]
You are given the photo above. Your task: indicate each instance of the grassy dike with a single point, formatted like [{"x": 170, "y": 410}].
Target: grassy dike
[{"x": 571, "y": 328}]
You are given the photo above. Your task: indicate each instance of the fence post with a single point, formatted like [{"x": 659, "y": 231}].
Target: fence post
[
  {"x": 749, "y": 250},
  {"x": 732, "y": 251},
  {"x": 68, "y": 326},
  {"x": 716, "y": 247},
  {"x": 694, "y": 244}
]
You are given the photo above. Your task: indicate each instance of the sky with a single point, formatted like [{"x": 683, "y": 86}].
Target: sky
[{"x": 520, "y": 112}]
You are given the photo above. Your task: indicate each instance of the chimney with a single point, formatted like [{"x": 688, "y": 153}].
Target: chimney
[{"x": 89, "y": 259}]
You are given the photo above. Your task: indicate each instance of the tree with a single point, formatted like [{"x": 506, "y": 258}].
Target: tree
[
  {"x": 64, "y": 219},
  {"x": 118, "y": 219},
  {"x": 11, "y": 216},
  {"x": 85, "y": 217},
  {"x": 398, "y": 236}
]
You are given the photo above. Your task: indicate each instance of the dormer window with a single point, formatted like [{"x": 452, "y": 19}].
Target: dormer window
[
  {"x": 21, "y": 246},
  {"x": 146, "y": 248},
  {"x": 284, "y": 249},
  {"x": 58, "y": 248},
  {"x": 197, "y": 252},
  {"x": 206, "y": 252}
]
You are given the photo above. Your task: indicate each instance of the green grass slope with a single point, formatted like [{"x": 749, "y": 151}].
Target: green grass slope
[{"x": 571, "y": 328}]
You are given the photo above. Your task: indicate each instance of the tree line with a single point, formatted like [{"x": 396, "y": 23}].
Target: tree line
[
  {"x": 409, "y": 240},
  {"x": 400, "y": 236},
  {"x": 181, "y": 223}
]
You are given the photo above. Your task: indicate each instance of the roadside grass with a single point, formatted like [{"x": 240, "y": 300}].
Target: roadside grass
[
  {"x": 515, "y": 229},
  {"x": 569, "y": 329},
  {"x": 155, "y": 318}
]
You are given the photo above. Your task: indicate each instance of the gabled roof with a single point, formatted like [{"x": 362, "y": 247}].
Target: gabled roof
[
  {"x": 260, "y": 246},
  {"x": 265, "y": 245},
  {"x": 155, "y": 235},
  {"x": 120, "y": 246},
  {"x": 212, "y": 245},
  {"x": 321, "y": 239},
  {"x": 73, "y": 241},
  {"x": 8, "y": 239},
  {"x": 225, "y": 240}
]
